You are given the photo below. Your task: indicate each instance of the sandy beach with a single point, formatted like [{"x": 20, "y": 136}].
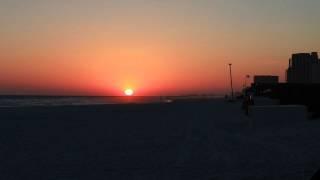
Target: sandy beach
[{"x": 184, "y": 140}]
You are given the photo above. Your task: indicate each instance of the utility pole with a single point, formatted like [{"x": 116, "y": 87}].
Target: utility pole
[{"x": 232, "y": 96}]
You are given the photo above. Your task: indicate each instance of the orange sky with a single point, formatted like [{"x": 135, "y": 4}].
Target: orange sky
[{"x": 156, "y": 48}]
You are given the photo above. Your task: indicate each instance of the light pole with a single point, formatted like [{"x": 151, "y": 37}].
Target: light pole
[
  {"x": 231, "y": 81},
  {"x": 245, "y": 81}
]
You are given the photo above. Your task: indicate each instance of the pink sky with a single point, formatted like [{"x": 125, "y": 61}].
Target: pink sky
[{"x": 155, "y": 48}]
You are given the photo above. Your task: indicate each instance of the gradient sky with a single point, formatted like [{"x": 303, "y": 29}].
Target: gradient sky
[{"x": 157, "y": 47}]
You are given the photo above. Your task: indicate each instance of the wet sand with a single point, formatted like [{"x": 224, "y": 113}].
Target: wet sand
[{"x": 184, "y": 140}]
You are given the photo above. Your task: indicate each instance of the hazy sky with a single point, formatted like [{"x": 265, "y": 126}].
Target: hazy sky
[{"x": 100, "y": 47}]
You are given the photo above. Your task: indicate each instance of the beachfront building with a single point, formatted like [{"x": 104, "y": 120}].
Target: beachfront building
[
  {"x": 316, "y": 73},
  {"x": 304, "y": 68},
  {"x": 265, "y": 79}
]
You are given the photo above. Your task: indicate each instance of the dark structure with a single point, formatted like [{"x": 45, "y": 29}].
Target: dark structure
[
  {"x": 302, "y": 87},
  {"x": 304, "y": 68},
  {"x": 316, "y": 176},
  {"x": 266, "y": 79},
  {"x": 291, "y": 93}
]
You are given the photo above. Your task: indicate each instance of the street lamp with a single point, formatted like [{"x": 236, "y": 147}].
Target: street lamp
[{"x": 231, "y": 81}]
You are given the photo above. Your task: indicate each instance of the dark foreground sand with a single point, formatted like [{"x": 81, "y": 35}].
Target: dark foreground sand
[{"x": 198, "y": 140}]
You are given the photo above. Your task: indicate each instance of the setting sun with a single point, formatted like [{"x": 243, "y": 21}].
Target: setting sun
[{"x": 128, "y": 92}]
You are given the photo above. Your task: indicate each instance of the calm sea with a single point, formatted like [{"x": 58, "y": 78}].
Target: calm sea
[{"x": 24, "y": 101}]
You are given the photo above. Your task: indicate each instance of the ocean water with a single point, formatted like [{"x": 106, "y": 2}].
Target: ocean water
[{"x": 25, "y": 101}]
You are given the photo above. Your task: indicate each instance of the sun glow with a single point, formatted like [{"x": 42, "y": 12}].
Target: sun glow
[{"x": 128, "y": 92}]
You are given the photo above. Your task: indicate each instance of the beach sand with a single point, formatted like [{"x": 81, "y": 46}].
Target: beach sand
[{"x": 183, "y": 140}]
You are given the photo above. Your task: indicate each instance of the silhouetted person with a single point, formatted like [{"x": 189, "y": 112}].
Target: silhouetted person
[
  {"x": 247, "y": 101},
  {"x": 251, "y": 100}
]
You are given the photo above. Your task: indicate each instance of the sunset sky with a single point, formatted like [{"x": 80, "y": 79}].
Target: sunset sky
[{"x": 156, "y": 47}]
